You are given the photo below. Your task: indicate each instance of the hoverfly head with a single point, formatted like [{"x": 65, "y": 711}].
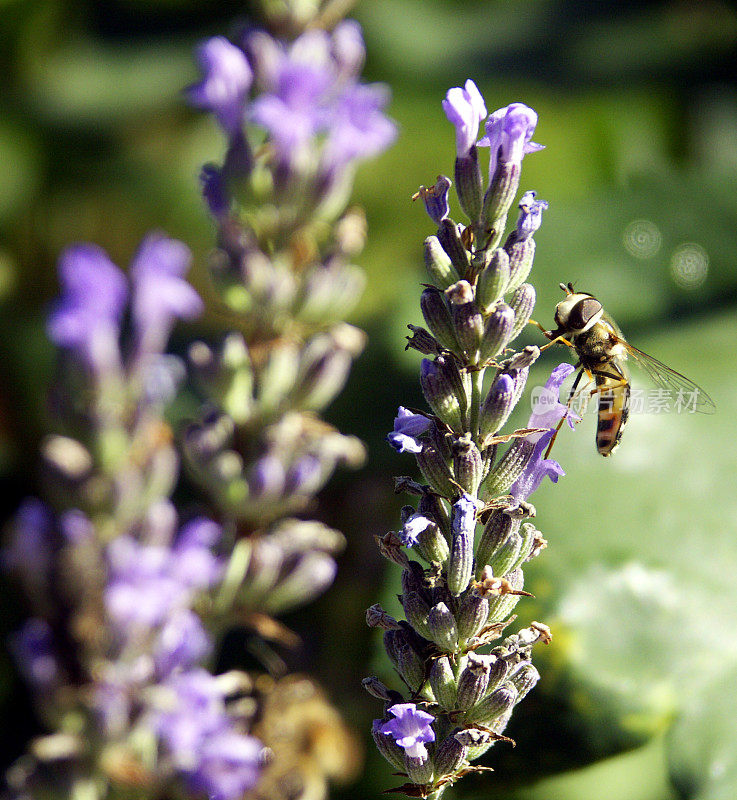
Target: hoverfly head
[{"x": 578, "y": 312}]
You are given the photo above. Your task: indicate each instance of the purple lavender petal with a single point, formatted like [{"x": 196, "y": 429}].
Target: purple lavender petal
[
  {"x": 413, "y": 527},
  {"x": 508, "y": 134},
  {"x": 411, "y": 729},
  {"x": 86, "y": 318},
  {"x": 358, "y": 128},
  {"x": 407, "y": 427},
  {"x": 464, "y": 108},
  {"x": 161, "y": 293},
  {"x": 225, "y": 84}
]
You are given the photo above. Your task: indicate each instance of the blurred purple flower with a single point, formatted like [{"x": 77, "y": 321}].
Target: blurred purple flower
[
  {"x": 214, "y": 190},
  {"x": 358, "y": 128},
  {"x": 407, "y": 428},
  {"x": 201, "y": 738},
  {"x": 508, "y": 134},
  {"x": 86, "y": 318},
  {"x": 311, "y": 89},
  {"x": 465, "y": 108},
  {"x": 30, "y": 549},
  {"x": 161, "y": 293},
  {"x": 149, "y": 582},
  {"x": 227, "y": 78},
  {"x": 181, "y": 643},
  {"x": 33, "y": 649},
  {"x": 294, "y": 108},
  {"x": 411, "y": 729}
]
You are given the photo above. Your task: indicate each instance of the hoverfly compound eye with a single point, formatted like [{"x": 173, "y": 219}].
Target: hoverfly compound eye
[{"x": 584, "y": 314}]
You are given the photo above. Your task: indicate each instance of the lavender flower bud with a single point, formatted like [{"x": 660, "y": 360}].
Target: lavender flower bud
[
  {"x": 417, "y": 610},
  {"x": 432, "y": 545},
  {"x": 422, "y": 341},
  {"x": 497, "y": 672},
  {"x": 326, "y": 361},
  {"x": 411, "y": 667},
  {"x": 376, "y": 617},
  {"x": 439, "y": 392},
  {"x": 387, "y": 746},
  {"x": 413, "y": 579},
  {"x": 522, "y": 303},
  {"x": 467, "y": 464},
  {"x": 530, "y": 539},
  {"x": 379, "y": 690},
  {"x": 520, "y": 245},
  {"x": 467, "y": 320},
  {"x": 497, "y": 406},
  {"x": 473, "y": 681},
  {"x": 443, "y": 682},
  {"x": 419, "y": 770},
  {"x": 450, "y": 756},
  {"x": 278, "y": 376},
  {"x": 472, "y": 615},
  {"x": 401, "y": 652},
  {"x": 509, "y": 468},
  {"x": 309, "y": 578},
  {"x": 437, "y": 316},
  {"x": 493, "y": 706},
  {"x": 506, "y": 556},
  {"x": 497, "y": 332},
  {"x": 501, "y": 607},
  {"x": 492, "y": 281},
  {"x": 434, "y": 508},
  {"x": 436, "y": 199},
  {"x": 439, "y": 267},
  {"x": 469, "y": 186},
  {"x": 499, "y": 528},
  {"x": 453, "y": 245},
  {"x": 442, "y": 627},
  {"x": 460, "y": 565},
  {"x": 436, "y": 470},
  {"x": 524, "y": 679}
]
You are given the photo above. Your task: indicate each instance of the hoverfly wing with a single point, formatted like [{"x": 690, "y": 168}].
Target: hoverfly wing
[{"x": 690, "y": 393}]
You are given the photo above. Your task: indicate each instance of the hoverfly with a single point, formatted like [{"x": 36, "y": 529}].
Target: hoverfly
[{"x": 602, "y": 351}]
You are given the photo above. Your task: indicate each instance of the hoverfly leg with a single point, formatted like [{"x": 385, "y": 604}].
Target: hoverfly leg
[
  {"x": 557, "y": 339},
  {"x": 571, "y": 397}
]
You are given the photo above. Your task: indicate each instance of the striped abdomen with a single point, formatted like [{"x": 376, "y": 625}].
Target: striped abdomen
[{"x": 614, "y": 401}]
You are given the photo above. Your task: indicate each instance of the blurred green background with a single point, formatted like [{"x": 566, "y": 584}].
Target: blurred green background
[{"x": 638, "y": 112}]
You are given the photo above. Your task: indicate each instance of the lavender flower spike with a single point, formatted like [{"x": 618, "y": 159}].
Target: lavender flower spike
[
  {"x": 407, "y": 427},
  {"x": 465, "y": 108},
  {"x": 225, "y": 85},
  {"x": 510, "y": 129},
  {"x": 411, "y": 729}
]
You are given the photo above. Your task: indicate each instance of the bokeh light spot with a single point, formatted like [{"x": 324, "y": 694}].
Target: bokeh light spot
[
  {"x": 642, "y": 238},
  {"x": 689, "y": 265}
]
